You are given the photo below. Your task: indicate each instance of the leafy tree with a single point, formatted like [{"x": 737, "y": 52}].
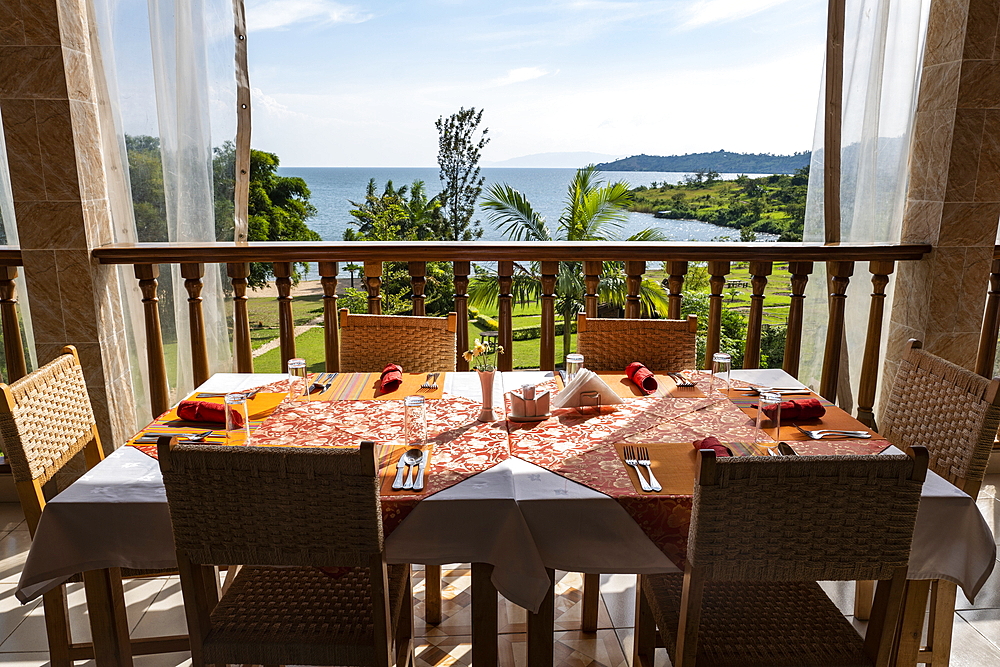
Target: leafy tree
[
  {"x": 594, "y": 212},
  {"x": 458, "y": 157}
]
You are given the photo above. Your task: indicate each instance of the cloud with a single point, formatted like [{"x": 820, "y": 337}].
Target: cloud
[
  {"x": 705, "y": 12},
  {"x": 520, "y": 74},
  {"x": 277, "y": 14}
]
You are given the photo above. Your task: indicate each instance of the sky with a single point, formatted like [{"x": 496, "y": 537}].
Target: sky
[{"x": 361, "y": 84}]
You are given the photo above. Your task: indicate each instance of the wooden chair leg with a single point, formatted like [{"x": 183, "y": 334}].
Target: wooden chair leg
[
  {"x": 108, "y": 622},
  {"x": 591, "y": 602},
  {"x": 541, "y": 627},
  {"x": 911, "y": 623},
  {"x": 432, "y": 594},
  {"x": 484, "y": 617},
  {"x": 644, "y": 639},
  {"x": 57, "y": 626},
  {"x": 939, "y": 627},
  {"x": 864, "y": 593}
]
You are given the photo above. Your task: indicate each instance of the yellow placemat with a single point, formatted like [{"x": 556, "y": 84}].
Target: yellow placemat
[
  {"x": 674, "y": 464},
  {"x": 387, "y": 462}
]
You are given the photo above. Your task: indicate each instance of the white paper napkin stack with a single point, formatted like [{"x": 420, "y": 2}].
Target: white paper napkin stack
[{"x": 585, "y": 381}]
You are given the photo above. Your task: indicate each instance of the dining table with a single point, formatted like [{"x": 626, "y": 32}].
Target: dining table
[{"x": 517, "y": 499}]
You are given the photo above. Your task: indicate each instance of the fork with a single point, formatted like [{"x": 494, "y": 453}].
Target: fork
[
  {"x": 680, "y": 380},
  {"x": 434, "y": 384},
  {"x": 629, "y": 454},
  {"x": 644, "y": 461},
  {"x": 822, "y": 433},
  {"x": 427, "y": 382}
]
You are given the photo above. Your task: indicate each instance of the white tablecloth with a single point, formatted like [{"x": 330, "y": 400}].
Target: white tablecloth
[{"x": 518, "y": 517}]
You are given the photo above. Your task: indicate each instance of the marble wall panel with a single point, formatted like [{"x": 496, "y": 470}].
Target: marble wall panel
[
  {"x": 945, "y": 31},
  {"x": 958, "y": 348},
  {"x": 76, "y": 294},
  {"x": 932, "y": 147},
  {"x": 89, "y": 160},
  {"x": 50, "y": 224},
  {"x": 42, "y": 282},
  {"x": 24, "y": 153},
  {"x": 97, "y": 222},
  {"x": 963, "y": 162},
  {"x": 11, "y": 24},
  {"x": 981, "y": 33},
  {"x": 73, "y": 24},
  {"x": 969, "y": 224},
  {"x": 922, "y": 221},
  {"x": 979, "y": 87},
  {"x": 56, "y": 141},
  {"x": 975, "y": 279},
  {"x": 947, "y": 266},
  {"x": 31, "y": 72},
  {"x": 939, "y": 86},
  {"x": 41, "y": 22},
  {"x": 79, "y": 75},
  {"x": 988, "y": 174}
]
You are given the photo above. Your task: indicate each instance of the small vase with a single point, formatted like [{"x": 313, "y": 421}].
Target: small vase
[{"x": 486, "y": 384}]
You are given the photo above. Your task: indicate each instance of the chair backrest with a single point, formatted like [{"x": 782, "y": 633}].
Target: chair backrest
[
  {"x": 946, "y": 408},
  {"x": 418, "y": 344},
  {"x": 273, "y": 506},
  {"x": 612, "y": 344},
  {"x": 45, "y": 420},
  {"x": 804, "y": 518}
]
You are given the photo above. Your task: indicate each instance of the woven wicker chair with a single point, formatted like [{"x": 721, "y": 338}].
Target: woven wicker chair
[
  {"x": 418, "y": 344},
  {"x": 612, "y": 344},
  {"x": 954, "y": 413},
  {"x": 45, "y": 421},
  {"x": 278, "y": 512},
  {"x": 763, "y": 531}
]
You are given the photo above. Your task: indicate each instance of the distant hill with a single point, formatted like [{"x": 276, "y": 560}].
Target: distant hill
[
  {"x": 573, "y": 160},
  {"x": 723, "y": 162}
]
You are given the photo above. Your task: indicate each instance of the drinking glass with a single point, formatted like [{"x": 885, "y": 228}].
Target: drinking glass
[
  {"x": 768, "y": 416},
  {"x": 574, "y": 362},
  {"x": 237, "y": 435},
  {"x": 721, "y": 365},
  {"x": 414, "y": 421},
  {"x": 297, "y": 376}
]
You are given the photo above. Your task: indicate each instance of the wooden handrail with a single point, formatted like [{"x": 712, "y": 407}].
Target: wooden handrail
[{"x": 482, "y": 251}]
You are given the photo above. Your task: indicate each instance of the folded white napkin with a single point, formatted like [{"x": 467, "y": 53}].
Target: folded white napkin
[{"x": 585, "y": 381}]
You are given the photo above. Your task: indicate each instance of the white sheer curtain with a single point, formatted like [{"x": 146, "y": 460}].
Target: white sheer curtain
[
  {"x": 167, "y": 80},
  {"x": 883, "y": 54}
]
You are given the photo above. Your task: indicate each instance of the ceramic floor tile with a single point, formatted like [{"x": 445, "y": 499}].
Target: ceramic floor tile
[
  {"x": 32, "y": 660},
  {"x": 11, "y": 517},
  {"x": 443, "y": 651},
  {"x": 165, "y": 614},
  {"x": 991, "y": 483},
  {"x": 969, "y": 648},
  {"x": 842, "y": 594},
  {"x": 984, "y": 621},
  {"x": 990, "y": 509},
  {"x": 12, "y": 613},
  {"x": 13, "y": 550},
  {"x": 569, "y": 603},
  {"x": 618, "y": 593},
  {"x": 163, "y": 660},
  {"x": 660, "y": 658},
  {"x": 989, "y": 595}
]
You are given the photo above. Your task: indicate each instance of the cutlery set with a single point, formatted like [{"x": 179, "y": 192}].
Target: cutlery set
[
  {"x": 322, "y": 383},
  {"x": 680, "y": 380},
  {"x": 639, "y": 456},
  {"x": 153, "y": 438},
  {"x": 822, "y": 433},
  {"x": 756, "y": 391},
  {"x": 431, "y": 382},
  {"x": 412, "y": 459},
  {"x": 212, "y": 394}
]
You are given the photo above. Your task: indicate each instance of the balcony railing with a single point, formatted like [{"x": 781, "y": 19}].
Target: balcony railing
[{"x": 800, "y": 259}]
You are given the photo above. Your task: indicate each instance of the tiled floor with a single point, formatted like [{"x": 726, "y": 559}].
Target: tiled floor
[{"x": 155, "y": 607}]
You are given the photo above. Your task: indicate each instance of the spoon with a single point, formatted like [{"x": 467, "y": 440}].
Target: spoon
[
  {"x": 411, "y": 458},
  {"x": 183, "y": 437}
]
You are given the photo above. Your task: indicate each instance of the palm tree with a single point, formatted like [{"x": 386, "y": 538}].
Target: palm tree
[{"x": 594, "y": 211}]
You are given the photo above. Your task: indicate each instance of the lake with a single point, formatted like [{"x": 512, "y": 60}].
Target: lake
[{"x": 333, "y": 187}]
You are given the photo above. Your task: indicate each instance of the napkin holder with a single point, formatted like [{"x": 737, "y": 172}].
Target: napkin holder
[{"x": 527, "y": 408}]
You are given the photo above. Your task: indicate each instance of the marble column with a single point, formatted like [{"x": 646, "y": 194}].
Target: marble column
[
  {"x": 50, "y": 121},
  {"x": 953, "y": 201}
]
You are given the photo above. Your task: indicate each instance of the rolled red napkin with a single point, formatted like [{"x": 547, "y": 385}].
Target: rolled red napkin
[
  {"x": 641, "y": 376},
  {"x": 711, "y": 442},
  {"x": 798, "y": 410},
  {"x": 392, "y": 377},
  {"x": 208, "y": 412}
]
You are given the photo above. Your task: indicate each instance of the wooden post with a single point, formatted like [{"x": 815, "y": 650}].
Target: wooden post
[
  {"x": 286, "y": 321},
  {"x": 547, "y": 346},
  {"x": 484, "y": 617},
  {"x": 718, "y": 271},
  {"x": 159, "y": 395},
  {"x": 373, "y": 283},
  {"x": 418, "y": 282},
  {"x": 505, "y": 271},
  {"x": 541, "y": 627},
  {"x": 677, "y": 271},
  {"x": 239, "y": 273},
  {"x": 331, "y": 328},
  {"x": 193, "y": 274},
  {"x": 462, "y": 270},
  {"x": 592, "y": 280},
  {"x": 13, "y": 345},
  {"x": 793, "y": 337},
  {"x": 833, "y": 119},
  {"x": 986, "y": 356},
  {"x": 839, "y": 277},
  {"x": 633, "y": 280},
  {"x": 751, "y": 352},
  {"x": 880, "y": 270}
]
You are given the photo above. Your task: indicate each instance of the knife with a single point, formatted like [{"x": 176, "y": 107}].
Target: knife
[
  {"x": 419, "y": 484},
  {"x": 397, "y": 483}
]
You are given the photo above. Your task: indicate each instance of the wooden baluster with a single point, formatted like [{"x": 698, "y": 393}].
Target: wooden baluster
[
  {"x": 505, "y": 271},
  {"x": 13, "y": 346},
  {"x": 547, "y": 346},
  {"x": 880, "y": 270},
  {"x": 592, "y": 280},
  {"x": 633, "y": 279},
  {"x": 286, "y": 321},
  {"x": 192, "y": 274},
  {"x": 793, "y": 337},
  {"x": 839, "y": 277},
  {"x": 751, "y": 352},
  {"x": 677, "y": 271},
  {"x": 159, "y": 395},
  {"x": 986, "y": 357},
  {"x": 462, "y": 308},
  {"x": 331, "y": 328},
  {"x": 239, "y": 273},
  {"x": 418, "y": 281},
  {"x": 718, "y": 271},
  {"x": 373, "y": 283}
]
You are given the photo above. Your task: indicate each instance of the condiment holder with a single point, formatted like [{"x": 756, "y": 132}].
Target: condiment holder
[{"x": 527, "y": 405}]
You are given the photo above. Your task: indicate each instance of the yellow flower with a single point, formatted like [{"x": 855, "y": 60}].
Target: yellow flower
[
  {"x": 467, "y": 356},
  {"x": 479, "y": 350}
]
